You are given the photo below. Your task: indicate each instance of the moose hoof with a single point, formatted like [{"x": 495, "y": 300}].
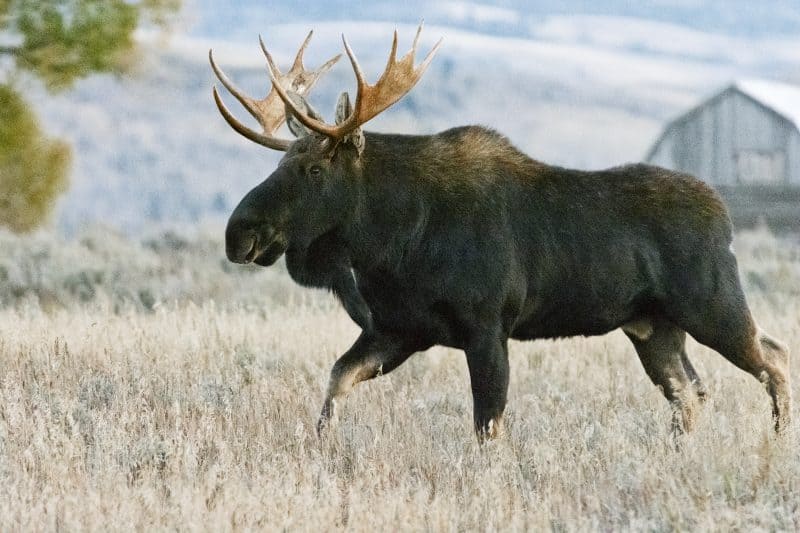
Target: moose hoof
[
  {"x": 491, "y": 430},
  {"x": 326, "y": 418},
  {"x": 322, "y": 427}
]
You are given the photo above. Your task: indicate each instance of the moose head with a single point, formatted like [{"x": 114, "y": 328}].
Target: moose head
[{"x": 316, "y": 185}]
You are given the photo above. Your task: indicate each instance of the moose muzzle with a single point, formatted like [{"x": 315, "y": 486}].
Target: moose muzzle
[{"x": 262, "y": 246}]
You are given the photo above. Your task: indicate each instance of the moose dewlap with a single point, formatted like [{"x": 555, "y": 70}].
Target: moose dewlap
[{"x": 459, "y": 239}]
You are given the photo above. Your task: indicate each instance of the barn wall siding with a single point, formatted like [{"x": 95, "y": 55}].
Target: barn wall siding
[
  {"x": 724, "y": 116},
  {"x": 794, "y": 158}
]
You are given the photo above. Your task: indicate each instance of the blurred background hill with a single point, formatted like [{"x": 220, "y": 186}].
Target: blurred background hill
[{"x": 583, "y": 84}]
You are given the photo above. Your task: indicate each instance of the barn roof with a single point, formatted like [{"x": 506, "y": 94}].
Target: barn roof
[{"x": 782, "y": 98}]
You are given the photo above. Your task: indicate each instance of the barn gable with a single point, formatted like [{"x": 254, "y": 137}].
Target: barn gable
[
  {"x": 747, "y": 134},
  {"x": 781, "y": 98}
]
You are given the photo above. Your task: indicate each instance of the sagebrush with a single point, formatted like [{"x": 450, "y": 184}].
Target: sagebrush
[{"x": 150, "y": 385}]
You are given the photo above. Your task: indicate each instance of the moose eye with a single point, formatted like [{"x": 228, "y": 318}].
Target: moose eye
[{"x": 314, "y": 170}]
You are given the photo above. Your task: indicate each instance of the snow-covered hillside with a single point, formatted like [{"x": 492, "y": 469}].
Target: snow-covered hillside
[
  {"x": 585, "y": 91},
  {"x": 501, "y": 17}
]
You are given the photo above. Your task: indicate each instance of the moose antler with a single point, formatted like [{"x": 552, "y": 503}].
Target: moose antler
[
  {"x": 397, "y": 79},
  {"x": 270, "y": 112}
]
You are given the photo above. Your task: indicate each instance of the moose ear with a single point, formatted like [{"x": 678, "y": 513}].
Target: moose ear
[
  {"x": 343, "y": 110},
  {"x": 295, "y": 126}
]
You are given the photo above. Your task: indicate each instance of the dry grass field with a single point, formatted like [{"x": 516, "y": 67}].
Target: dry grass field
[{"x": 150, "y": 385}]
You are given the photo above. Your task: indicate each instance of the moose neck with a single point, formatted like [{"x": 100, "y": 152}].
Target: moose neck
[{"x": 390, "y": 215}]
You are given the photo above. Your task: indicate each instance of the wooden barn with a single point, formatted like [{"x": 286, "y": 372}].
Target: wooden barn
[
  {"x": 745, "y": 142},
  {"x": 747, "y": 134}
]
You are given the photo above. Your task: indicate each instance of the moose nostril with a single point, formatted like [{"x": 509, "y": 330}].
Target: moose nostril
[{"x": 253, "y": 251}]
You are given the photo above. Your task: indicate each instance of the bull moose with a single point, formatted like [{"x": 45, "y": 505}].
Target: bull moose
[{"x": 459, "y": 239}]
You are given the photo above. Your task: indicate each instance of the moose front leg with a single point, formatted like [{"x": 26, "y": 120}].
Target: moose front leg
[
  {"x": 344, "y": 287},
  {"x": 370, "y": 356},
  {"x": 487, "y": 358}
]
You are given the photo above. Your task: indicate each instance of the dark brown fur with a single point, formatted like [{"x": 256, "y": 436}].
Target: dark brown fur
[{"x": 459, "y": 239}]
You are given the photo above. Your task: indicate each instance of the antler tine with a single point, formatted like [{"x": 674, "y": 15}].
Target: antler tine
[
  {"x": 393, "y": 53},
  {"x": 264, "y": 140},
  {"x": 328, "y": 64},
  {"x": 245, "y": 100},
  {"x": 270, "y": 111},
  {"x": 298, "y": 60},
  {"x": 354, "y": 62},
  {"x": 397, "y": 79},
  {"x": 416, "y": 39},
  {"x": 428, "y": 58},
  {"x": 266, "y": 52}
]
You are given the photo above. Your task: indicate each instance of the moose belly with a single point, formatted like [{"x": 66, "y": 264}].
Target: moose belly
[
  {"x": 415, "y": 313},
  {"x": 560, "y": 324},
  {"x": 572, "y": 311}
]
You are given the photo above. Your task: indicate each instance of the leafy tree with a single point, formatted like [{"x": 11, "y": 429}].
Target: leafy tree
[
  {"x": 32, "y": 168},
  {"x": 58, "y": 42}
]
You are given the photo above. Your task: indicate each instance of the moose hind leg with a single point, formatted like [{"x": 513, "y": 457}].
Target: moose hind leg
[
  {"x": 772, "y": 367},
  {"x": 716, "y": 314},
  {"x": 775, "y": 375},
  {"x": 736, "y": 337},
  {"x": 767, "y": 359},
  {"x": 663, "y": 356},
  {"x": 777, "y": 354}
]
